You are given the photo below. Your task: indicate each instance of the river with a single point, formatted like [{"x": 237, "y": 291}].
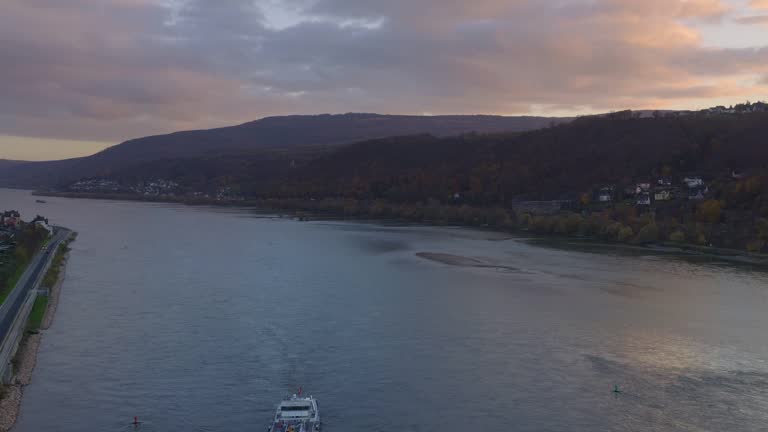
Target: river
[{"x": 201, "y": 319}]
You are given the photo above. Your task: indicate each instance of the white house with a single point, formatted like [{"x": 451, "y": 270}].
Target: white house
[
  {"x": 605, "y": 194},
  {"x": 662, "y": 195},
  {"x": 642, "y": 187},
  {"x": 693, "y": 182},
  {"x": 45, "y": 226},
  {"x": 644, "y": 199},
  {"x": 697, "y": 194}
]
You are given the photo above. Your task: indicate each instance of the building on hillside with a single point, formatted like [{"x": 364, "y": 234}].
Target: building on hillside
[
  {"x": 749, "y": 107},
  {"x": 719, "y": 110},
  {"x": 42, "y": 222},
  {"x": 693, "y": 181},
  {"x": 664, "y": 181},
  {"x": 697, "y": 193},
  {"x": 605, "y": 194},
  {"x": 44, "y": 225},
  {"x": 644, "y": 199},
  {"x": 11, "y": 218},
  {"x": 95, "y": 185},
  {"x": 662, "y": 195},
  {"x": 642, "y": 187}
]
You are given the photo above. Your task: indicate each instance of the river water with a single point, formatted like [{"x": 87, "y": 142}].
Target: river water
[{"x": 201, "y": 319}]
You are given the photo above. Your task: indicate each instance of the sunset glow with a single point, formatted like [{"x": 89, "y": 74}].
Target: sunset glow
[{"x": 109, "y": 70}]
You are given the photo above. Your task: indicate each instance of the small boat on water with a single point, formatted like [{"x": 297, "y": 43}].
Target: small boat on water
[
  {"x": 40, "y": 201},
  {"x": 296, "y": 414}
]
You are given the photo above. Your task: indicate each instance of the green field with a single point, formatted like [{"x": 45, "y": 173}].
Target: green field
[{"x": 37, "y": 314}]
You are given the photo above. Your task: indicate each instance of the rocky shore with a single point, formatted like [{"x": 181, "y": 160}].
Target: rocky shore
[{"x": 26, "y": 359}]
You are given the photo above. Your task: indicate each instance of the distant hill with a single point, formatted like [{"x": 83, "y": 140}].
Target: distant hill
[
  {"x": 557, "y": 162},
  {"x": 268, "y": 134},
  {"x": 7, "y": 163},
  {"x": 495, "y": 179}
]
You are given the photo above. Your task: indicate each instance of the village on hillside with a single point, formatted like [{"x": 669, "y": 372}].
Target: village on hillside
[
  {"x": 747, "y": 107},
  {"x": 12, "y": 227},
  {"x": 646, "y": 192}
]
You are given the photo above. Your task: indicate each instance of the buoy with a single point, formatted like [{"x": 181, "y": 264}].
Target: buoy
[
  {"x": 616, "y": 388},
  {"x": 136, "y": 421}
]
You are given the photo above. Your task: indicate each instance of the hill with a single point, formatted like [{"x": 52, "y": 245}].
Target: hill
[
  {"x": 551, "y": 163},
  {"x": 557, "y": 162},
  {"x": 268, "y": 134},
  {"x": 7, "y": 163},
  {"x": 698, "y": 179}
]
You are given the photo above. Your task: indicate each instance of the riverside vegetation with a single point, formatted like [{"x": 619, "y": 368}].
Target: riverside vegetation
[
  {"x": 707, "y": 223},
  {"x": 29, "y": 239},
  {"x": 49, "y": 282}
]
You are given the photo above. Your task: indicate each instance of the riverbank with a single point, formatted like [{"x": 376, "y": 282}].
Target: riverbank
[
  {"x": 26, "y": 357},
  {"x": 568, "y": 227}
]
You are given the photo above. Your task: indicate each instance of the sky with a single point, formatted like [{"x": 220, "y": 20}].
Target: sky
[{"x": 79, "y": 75}]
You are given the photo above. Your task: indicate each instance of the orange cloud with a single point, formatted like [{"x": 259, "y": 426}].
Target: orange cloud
[
  {"x": 671, "y": 8},
  {"x": 114, "y": 69},
  {"x": 702, "y": 9},
  {"x": 759, "y": 4}
]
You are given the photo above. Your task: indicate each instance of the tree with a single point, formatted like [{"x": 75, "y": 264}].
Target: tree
[
  {"x": 755, "y": 245},
  {"x": 709, "y": 211},
  {"x": 585, "y": 198},
  {"x": 677, "y": 237},
  {"x": 762, "y": 228},
  {"x": 648, "y": 234},
  {"x": 625, "y": 234}
]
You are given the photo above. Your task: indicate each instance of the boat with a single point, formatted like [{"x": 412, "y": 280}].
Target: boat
[
  {"x": 296, "y": 414},
  {"x": 40, "y": 201}
]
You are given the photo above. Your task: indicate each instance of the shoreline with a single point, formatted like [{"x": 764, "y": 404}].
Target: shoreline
[
  {"x": 26, "y": 356},
  {"x": 736, "y": 256}
]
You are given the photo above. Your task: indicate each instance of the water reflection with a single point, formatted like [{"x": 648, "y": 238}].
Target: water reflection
[{"x": 200, "y": 319}]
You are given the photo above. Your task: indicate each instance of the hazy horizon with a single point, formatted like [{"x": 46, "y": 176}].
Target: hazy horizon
[{"x": 32, "y": 149}]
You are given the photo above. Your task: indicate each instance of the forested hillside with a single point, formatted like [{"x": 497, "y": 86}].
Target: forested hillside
[
  {"x": 593, "y": 168},
  {"x": 557, "y": 162}
]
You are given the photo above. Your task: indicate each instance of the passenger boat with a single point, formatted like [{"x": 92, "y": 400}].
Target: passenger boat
[{"x": 296, "y": 414}]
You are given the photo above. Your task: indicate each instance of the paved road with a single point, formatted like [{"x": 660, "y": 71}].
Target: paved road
[{"x": 10, "y": 307}]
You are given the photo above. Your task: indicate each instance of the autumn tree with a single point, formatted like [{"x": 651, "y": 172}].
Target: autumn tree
[{"x": 709, "y": 211}]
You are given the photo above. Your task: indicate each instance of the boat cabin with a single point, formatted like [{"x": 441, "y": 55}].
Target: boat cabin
[
  {"x": 295, "y": 410},
  {"x": 296, "y": 414}
]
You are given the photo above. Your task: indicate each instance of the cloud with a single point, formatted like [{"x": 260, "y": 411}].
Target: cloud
[
  {"x": 759, "y": 4},
  {"x": 114, "y": 69},
  {"x": 753, "y": 19}
]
